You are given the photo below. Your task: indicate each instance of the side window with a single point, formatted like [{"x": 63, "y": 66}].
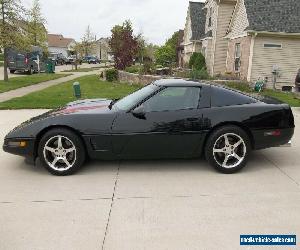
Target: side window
[
  {"x": 174, "y": 98},
  {"x": 210, "y": 17},
  {"x": 237, "y": 57},
  {"x": 225, "y": 97}
]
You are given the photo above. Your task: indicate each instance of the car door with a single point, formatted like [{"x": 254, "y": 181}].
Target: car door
[{"x": 171, "y": 125}]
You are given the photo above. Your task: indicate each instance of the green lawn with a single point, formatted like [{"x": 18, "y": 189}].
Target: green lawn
[
  {"x": 286, "y": 97},
  {"x": 1, "y": 57},
  {"x": 82, "y": 69},
  {"x": 92, "y": 87},
  {"x": 1, "y": 64},
  {"x": 22, "y": 81},
  {"x": 61, "y": 94}
]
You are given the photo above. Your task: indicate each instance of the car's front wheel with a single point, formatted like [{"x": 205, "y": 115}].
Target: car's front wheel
[
  {"x": 227, "y": 149},
  {"x": 61, "y": 151}
]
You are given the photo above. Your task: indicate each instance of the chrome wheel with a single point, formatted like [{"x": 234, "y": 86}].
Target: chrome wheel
[
  {"x": 229, "y": 150},
  {"x": 60, "y": 153}
]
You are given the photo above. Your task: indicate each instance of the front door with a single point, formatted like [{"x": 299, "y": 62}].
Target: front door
[{"x": 170, "y": 127}]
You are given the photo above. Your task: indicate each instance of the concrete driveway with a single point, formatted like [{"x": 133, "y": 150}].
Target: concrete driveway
[{"x": 172, "y": 204}]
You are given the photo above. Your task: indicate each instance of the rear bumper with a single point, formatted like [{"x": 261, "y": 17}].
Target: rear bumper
[
  {"x": 264, "y": 138},
  {"x": 287, "y": 145}
]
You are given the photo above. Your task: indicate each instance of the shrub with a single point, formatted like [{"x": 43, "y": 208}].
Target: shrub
[
  {"x": 135, "y": 69},
  {"x": 197, "y": 62},
  {"x": 199, "y": 74},
  {"x": 111, "y": 75},
  {"x": 1, "y": 57}
]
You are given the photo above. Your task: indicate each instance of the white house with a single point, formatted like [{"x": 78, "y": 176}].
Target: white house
[{"x": 59, "y": 44}]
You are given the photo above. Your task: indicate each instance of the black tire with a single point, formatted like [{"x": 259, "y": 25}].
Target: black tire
[
  {"x": 12, "y": 71},
  {"x": 80, "y": 154},
  {"x": 215, "y": 142},
  {"x": 30, "y": 71}
]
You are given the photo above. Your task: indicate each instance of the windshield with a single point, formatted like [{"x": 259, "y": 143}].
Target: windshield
[{"x": 131, "y": 100}]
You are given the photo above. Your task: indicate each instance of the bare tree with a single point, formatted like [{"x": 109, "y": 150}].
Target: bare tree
[
  {"x": 36, "y": 26},
  {"x": 88, "y": 41},
  {"x": 12, "y": 33}
]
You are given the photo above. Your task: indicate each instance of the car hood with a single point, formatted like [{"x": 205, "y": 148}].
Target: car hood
[
  {"x": 67, "y": 115},
  {"x": 88, "y": 106},
  {"x": 85, "y": 106}
]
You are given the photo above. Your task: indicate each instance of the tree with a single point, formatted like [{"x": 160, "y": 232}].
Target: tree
[
  {"x": 141, "y": 49},
  {"x": 88, "y": 41},
  {"x": 166, "y": 55},
  {"x": 37, "y": 32},
  {"x": 12, "y": 33},
  {"x": 78, "y": 49},
  {"x": 197, "y": 61},
  {"x": 124, "y": 45}
]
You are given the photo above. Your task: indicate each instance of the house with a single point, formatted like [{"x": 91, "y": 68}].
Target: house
[
  {"x": 214, "y": 44},
  {"x": 58, "y": 44},
  {"x": 101, "y": 49},
  {"x": 180, "y": 49},
  {"x": 263, "y": 36},
  {"x": 193, "y": 31}
]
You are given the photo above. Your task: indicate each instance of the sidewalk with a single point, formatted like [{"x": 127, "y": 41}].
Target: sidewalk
[{"x": 40, "y": 86}]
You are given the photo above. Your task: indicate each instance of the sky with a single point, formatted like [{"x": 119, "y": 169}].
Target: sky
[{"x": 157, "y": 20}]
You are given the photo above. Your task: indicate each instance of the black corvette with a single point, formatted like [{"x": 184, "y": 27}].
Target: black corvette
[{"x": 166, "y": 119}]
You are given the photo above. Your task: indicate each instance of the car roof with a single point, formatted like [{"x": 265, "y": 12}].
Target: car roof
[{"x": 178, "y": 82}]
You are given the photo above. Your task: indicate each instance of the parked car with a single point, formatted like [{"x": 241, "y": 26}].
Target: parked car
[
  {"x": 85, "y": 59},
  {"x": 93, "y": 60},
  {"x": 58, "y": 58},
  {"x": 166, "y": 119},
  {"x": 72, "y": 58},
  {"x": 29, "y": 62},
  {"x": 297, "y": 81}
]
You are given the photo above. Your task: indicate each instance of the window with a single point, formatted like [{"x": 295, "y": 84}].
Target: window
[
  {"x": 131, "y": 100},
  {"x": 204, "y": 51},
  {"x": 237, "y": 57},
  {"x": 225, "y": 97},
  {"x": 210, "y": 17},
  {"x": 272, "y": 45},
  {"x": 174, "y": 98}
]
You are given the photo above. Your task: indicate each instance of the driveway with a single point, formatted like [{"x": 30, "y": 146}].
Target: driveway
[{"x": 171, "y": 204}]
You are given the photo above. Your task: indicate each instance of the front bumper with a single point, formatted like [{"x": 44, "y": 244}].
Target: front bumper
[{"x": 13, "y": 146}]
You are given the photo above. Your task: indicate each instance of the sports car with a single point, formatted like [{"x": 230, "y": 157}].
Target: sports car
[{"x": 169, "y": 118}]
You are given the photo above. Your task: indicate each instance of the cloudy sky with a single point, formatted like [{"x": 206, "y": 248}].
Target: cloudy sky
[{"x": 156, "y": 19}]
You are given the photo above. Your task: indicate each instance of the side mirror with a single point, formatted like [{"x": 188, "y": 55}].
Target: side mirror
[{"x": 139, "y": 112}]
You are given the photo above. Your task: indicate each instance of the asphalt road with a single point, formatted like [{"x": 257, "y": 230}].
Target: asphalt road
[{"x": 172, "y": 204}]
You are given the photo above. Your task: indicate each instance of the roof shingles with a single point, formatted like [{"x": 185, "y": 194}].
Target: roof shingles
[
  {"x": 273, "y": 15},
  {"x": 198, "y": 18},
  {"x": 56, "y": 40}
]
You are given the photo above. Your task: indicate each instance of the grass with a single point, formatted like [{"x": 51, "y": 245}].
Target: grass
[
  {"x": 23, "y": 81},
  {"x": 1, "y": 57},
  {"x": 286, "y": 97},
  {"x": 61, "y": 94},
  {"x": 82, "y": 69},
  {"x": 1, "y": 64}
]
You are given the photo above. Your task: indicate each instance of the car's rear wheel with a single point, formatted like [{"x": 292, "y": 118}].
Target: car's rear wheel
[
  {"x": 227, "y": 149},
  {"x": 12, "y": 71},
  {"x": 61, "y": 151}
]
